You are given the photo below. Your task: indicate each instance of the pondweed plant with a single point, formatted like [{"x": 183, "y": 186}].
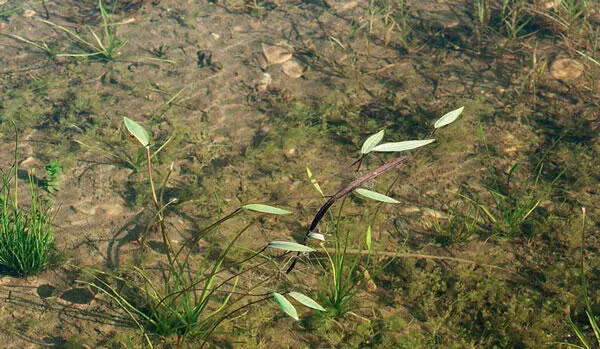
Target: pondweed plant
[
  {"x": 192, "y": 297},
  {"x": 53, "y": 175},
  {"x": 345, "y": 270},
  {"x": 26, "y": 234}
]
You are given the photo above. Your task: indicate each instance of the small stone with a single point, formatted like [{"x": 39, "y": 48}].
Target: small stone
[
  {"x": 215, "y": 36},
  {"x": 3, "y": 25},
  {"x": 31, "y": 162},
  {"x": 277, "y": 54},
  {"x": 566, "y": 69},
  {"x": 3, "y": 2},
  {"x": 292, "y": 69},
  {"x": 29, "y": 13},
  {"x": 341, "y": 6},
  {"x": 548, "y": 4},
  {"x": 264, "y": 83}
]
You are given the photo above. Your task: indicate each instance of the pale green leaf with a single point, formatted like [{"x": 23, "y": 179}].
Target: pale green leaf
[
  {"x": 265, "y": 209},
  {"x": 313, "y": 181},
  {"x": 316, "y": 236},
  {"x": 285, "y": 305},
  {"x": 368, "y": 238},
  {"x": 372, "y": 142},
  {"x": 306, "y": 300},
  {"x": 137, "y": 131},
  {"x": 402, "y": 146},
  {"x": 290, "y": 246},
  {"x": 448, "y": 118},
  {"x": 376, "y": 196}
]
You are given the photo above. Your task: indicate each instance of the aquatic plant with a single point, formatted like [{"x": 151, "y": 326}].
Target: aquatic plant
[
  {"x": 345, "y": 275},
  {"x": 191, "y": 299},
  {"x": 592, "y": 318},
  {"x": 53, "y": 174},
  {"x": 26, "y": 234},
  {"x": 106, "y": 48}
]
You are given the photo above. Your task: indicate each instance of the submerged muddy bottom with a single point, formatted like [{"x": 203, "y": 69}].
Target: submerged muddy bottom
[{"x": 482, "y": 249}]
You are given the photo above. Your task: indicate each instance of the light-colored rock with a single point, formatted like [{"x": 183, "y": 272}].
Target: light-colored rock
[
  {"x": 566, "y": 69},
  {"x": 341, "y": 6},
  {"x": 277, "y": 54},
  {"x": 110, "y": 209},
  {"x": 547, "y": 4},
  {"x": 31, "y": 163},
  {"x": 29, "y": 13},
  {"x": 263, "y": 84},
  {"x": 292, "y": 69},
  {"x": 3, "y": 25}
]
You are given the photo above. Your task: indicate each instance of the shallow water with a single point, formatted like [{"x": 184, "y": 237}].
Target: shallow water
[{"x": 253, "y": 93}]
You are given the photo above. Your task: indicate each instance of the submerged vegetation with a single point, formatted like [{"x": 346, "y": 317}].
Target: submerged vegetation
[
  {"x": 26, "y": 234},
  {"x": 201, "y": 229}
]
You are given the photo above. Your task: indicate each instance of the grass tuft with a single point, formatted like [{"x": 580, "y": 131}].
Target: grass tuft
[{"x": 25, "y": 234}]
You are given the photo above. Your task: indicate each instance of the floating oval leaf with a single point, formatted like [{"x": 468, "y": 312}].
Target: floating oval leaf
[
  {"x": 448, "y": 118},
  {"x": 368, "y": 238},
  {"x": 376, "y": 196},
  {"x": 285, "y": 305},
  {"x": 306, "y": 300},
  {"x": 316, "y": 236},
  {"x": 372, "y": 142},
  {"x": 265, "y": 209},
  {"x": 402, "y": 146},
  {"x": 290, "y": 246},
  {"x": 137, "y": 131}
]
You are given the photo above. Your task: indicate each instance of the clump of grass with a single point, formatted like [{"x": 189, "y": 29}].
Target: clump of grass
[
  {"x": 106, "y": 48},
  {"x": 508, "y": 209},
  {"x": 457, "y": 229},
  {"x": 26, "y": 234}
]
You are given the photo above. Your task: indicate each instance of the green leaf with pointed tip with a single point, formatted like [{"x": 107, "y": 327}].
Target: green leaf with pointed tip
[
  {"x": 376, "y": 196},
  {"x": 372, "y": 142},
  {"x": 402, "y": 146},
  {"x": 290, "y": 246},
  {"x": 368, "y": 238},
  {"x": 313, "y": 181},
  {"x": 306, "y": 300},
  {"x": 137, "y": 131},
  {"x": 448, "y": 118},
  {"x": 285, "y": 305},
  {"x": 265, "y": 209}
]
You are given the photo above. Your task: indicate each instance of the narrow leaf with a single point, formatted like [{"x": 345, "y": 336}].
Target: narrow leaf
[
  {"x": 305, "y": 300},
  {"x": 372, "y": 142},
  {"x": 265, "y": 209},
  {"x": 402, "y": 146},
  {"x": 376, "y": 196},
  {"x": 285, "y": 305},
  {"x": 137, "y": 131},
  {"x": 290, "y": 246},
  {"x": 448, "y": 118},
  {"x": 368, "y": 238},
  {"x": 313, "y": 181}
]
